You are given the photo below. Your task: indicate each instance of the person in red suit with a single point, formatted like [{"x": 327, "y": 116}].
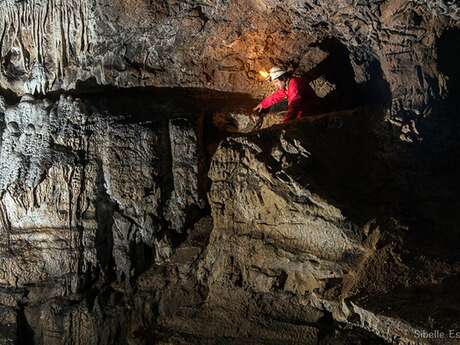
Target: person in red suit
[{"x": 300, "y": 96}]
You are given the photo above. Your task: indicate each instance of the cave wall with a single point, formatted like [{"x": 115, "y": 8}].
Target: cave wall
[
  {"x": 222, "y": 45},
  {"x": 112, "y": 232},
  {"x": 82, "y": 191},
  {"x": 215, "y": 44}
]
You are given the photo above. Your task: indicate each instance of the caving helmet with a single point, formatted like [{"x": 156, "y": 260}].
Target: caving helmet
[{"x": 276, "y": 72}]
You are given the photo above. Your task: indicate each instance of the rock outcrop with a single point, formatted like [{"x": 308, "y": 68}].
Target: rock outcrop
[
  {"x": 81, "y": 194},
  {"x": 141, "y": 202},
  {"x": 390, "y": 51},
  {"x": 296, "y": 213}
]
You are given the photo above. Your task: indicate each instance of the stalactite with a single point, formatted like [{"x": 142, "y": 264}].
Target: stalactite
[
  {"x": 2, "y": 40},
  {"x": 33, "y": 27}
]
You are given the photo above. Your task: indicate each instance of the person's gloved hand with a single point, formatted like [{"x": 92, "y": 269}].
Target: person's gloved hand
[{"x": 257, "y": 108}]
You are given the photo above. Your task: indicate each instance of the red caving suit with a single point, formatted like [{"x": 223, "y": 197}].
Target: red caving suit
[{"x": 300, "y": 98}]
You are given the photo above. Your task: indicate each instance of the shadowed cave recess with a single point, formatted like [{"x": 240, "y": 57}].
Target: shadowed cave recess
[{"x": 141, "y": 201}]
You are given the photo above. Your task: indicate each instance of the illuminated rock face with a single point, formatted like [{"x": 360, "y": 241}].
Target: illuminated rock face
[
  {"x": 128, "y": 217},
  {"x": 52, "y": 45},
  {"x": 81, "y": 193},
  {"x": 82, "y": 196}
]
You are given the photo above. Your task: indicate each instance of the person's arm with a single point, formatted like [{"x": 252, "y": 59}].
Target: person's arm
[
  {"x": 274, "y": 98},
  {"x": 295, "y": 102}
]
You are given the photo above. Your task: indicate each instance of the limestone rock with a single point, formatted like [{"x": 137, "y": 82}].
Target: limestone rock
[
  {"x": 278, "y": 228},
  {"x": 245, "y": 123},
  {"x": 8, "y": 326},
  {"x": 139, "y": 203},
  {"x": 185, "y": 164},
  {"x": 223, "y": 45},
  {"x": 278, "y": 233},
  {"x": 79, "y": 190}
]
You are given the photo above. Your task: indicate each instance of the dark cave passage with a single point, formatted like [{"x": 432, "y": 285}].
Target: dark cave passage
[
  {"x": 357, "y": 78},
  {"x": 448, "y": 51},
  {"x": 433, "y": 186}
]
